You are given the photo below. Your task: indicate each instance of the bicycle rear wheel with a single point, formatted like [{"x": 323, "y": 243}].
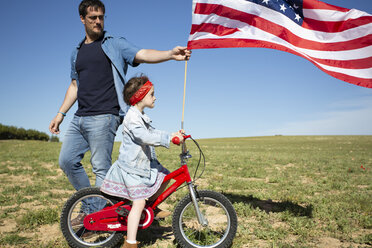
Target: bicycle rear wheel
[
  {"x": 220, "y": 215},
  {"x": 76, "y": 235}
]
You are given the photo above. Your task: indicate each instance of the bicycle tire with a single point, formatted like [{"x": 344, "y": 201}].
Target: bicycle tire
[
  {"x": 221, "y": 217},
  {"x": 76, "y": 236}
]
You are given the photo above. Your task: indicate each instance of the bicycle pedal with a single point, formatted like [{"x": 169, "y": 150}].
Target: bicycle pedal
[{"x": 122, "y": 211}]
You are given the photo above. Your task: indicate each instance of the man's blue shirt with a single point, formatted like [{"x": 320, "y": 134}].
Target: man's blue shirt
[{"x": 121, "y": 54}]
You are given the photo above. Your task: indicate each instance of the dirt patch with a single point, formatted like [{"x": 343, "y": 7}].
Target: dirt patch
[
  {"x": 249, "y": 179},
  {"x": 62, "y": 191},
  {"x": 280, "y": 224},
  {"x": 48, "y": 233},
  {"x": 328, "y": 242},
  {"x": 363, "y": 186},
  {"x": 47, "y": 165},
  {"x": 306, "y": 180},
  {"x": 203, "y": 183},
  {"x": 257, "y": 244},
  {"x": 289, "y": 165},
  {"x": 7, "y": 162},
  {"x": 8, "y": 226},
  {"x": 281, "y": 167},
  {"x": 291, "y": 239},
  {"x": 29, "y": 206},
  {"x": 24, "y": 167},
  {"x": 12, "y": 180}
]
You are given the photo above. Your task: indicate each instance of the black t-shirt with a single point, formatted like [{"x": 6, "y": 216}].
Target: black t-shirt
[{"x": 96, "y": 92}]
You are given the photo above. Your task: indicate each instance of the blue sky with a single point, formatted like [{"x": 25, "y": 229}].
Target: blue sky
[{"x": 230, "y": 92}]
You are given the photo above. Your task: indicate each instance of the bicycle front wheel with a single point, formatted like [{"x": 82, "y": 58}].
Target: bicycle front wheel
[
  {"x": 221, "y": 220},
  {"x": 87, "y": 201}
]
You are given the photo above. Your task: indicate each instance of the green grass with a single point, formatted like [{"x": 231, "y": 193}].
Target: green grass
[
  {"x": 13, "y": 239},
  {"x": 37, "y": 218},
  {"x": 300, "y": 191}
]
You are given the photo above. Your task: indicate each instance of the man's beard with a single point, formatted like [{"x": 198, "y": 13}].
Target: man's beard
[{"x": 94, "y": 35}]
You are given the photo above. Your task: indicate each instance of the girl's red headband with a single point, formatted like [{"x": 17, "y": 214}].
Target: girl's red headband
[{"x": 141, "y": 93}]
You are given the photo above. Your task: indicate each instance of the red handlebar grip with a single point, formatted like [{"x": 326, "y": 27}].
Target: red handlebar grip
[{"x": 176, "y": 140}]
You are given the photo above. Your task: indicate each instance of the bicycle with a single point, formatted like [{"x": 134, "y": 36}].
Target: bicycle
[{"x": 203, "y": 218}]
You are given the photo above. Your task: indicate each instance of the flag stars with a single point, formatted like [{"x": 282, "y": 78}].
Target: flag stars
[
  {"x": 289, "y": 8},
  {"x": 298, "y": 17},
  {"x": 283, "y": 8}
]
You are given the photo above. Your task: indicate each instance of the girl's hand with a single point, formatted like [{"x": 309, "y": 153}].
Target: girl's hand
[{"x": 177, "y": 138}]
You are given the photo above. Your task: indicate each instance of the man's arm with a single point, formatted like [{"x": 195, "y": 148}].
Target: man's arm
[
  {"x": 70, "y": 98},
  {"x": 155, "y": 56}
]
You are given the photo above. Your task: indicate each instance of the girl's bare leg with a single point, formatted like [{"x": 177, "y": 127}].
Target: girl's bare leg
[{"x": 134, "y": 219}]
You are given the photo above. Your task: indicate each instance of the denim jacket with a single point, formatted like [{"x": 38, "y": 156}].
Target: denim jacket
[
  {"x": 139, "y": 138},
  {"x": 121, "y": 54}
]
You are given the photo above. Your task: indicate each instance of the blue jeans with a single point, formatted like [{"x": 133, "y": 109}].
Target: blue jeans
[{"x": 94, "y": 133}]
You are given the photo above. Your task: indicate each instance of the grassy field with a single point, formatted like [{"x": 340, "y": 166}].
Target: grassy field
[{"x": 302, "y": 191}]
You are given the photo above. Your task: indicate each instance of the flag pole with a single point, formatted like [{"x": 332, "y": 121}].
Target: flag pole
[{"x": 184, "y": 95}]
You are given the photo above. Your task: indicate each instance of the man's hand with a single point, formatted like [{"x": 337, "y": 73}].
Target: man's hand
[
  {"x": 155, "y": 56},
  {"x": 180, "y": 53},
  {"x": 54, "y": 124},
  {"x": 70, "y": 98}
]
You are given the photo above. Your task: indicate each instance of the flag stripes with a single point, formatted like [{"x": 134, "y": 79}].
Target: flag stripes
[
  {"x": 339, "y": 44},
  {"x": 335, "y": 26},
  {"x": 296, "y": 37}
]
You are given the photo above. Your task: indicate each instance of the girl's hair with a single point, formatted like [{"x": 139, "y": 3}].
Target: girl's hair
[
  {"x": 132, "y": 86},
  {"x": 85, "y": 4}
]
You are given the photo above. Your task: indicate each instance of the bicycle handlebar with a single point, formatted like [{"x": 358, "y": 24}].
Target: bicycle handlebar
[{"x": 185, "y": 153}]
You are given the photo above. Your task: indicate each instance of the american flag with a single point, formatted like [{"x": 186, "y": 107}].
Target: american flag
[{"x": 336, "y": 40}]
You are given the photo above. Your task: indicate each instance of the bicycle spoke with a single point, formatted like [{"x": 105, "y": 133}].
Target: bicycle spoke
[
  {"x": 219, "y": 214},
  {"x": 88, "y": 200}
]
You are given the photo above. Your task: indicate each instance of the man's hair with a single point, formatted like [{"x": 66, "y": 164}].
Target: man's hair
[
  {"x": 85, "y": 4},
  {"x": 132, "y": 86}
]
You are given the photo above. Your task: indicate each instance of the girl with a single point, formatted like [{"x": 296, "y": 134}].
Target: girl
[{"x": 137, "y": 175}]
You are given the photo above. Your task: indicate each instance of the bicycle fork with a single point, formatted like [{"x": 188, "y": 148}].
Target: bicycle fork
[{"x": 202, "y": 220}]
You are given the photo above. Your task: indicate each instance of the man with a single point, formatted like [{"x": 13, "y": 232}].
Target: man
[{"x": 98, "y": 68}]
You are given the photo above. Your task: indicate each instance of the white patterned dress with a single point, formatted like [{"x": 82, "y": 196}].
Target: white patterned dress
[{"x": 137, "y": 174}]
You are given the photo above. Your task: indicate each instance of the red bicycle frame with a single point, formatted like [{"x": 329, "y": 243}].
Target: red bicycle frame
[
  {"x": 181, "y": 175},
  {"x": 108, "y": 218}
]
